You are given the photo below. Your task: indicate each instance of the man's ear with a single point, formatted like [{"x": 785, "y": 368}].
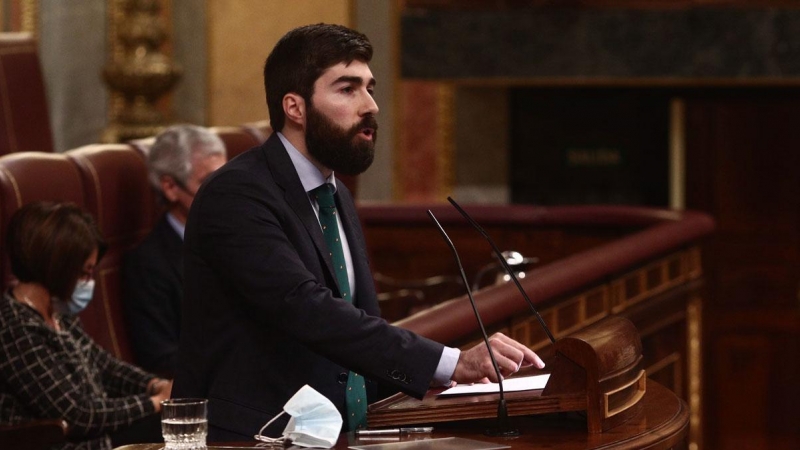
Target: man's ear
[
  {"x": 294, "y": 107},
  {"x": 169, "y": 188}
]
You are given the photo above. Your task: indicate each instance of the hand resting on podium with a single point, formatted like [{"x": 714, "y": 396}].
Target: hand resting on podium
[{"x": 475, "y": 365}]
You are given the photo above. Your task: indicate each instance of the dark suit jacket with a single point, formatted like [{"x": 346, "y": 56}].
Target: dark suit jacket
[
  {"x": 152, "y": 294},
  {"x": 261, "y": 315}
]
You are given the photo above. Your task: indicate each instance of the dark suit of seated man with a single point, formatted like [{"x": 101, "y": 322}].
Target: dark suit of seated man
[
  {"x": 178, "y": 162},
  {"x": 279, "y": 292}
]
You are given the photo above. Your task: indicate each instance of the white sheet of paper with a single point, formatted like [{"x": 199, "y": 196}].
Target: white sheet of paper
[{"x": 510, "y": 385}]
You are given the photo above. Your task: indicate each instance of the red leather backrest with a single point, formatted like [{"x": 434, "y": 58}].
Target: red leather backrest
[
  {"x": 119, "y": 196},
  {"x": 143, "y": 145},
  {"x": 237, "y": 140},
  {"x": 261, "y": 130},
  {"x": 34, "y": 176},
  {"x": 24, "y": 120}
]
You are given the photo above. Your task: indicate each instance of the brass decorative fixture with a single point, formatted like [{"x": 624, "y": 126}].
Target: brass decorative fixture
[{"x": 138, "y": 73}]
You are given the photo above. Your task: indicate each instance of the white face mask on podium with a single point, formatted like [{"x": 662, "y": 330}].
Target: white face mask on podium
[{"x": 315, "y": 421}]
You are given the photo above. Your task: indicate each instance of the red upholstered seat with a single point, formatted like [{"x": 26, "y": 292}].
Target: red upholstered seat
[
  {"x": 261, "y": 130},
  {"x": 24, "y": 120},
  {"x": 33, "y": 435},
  {"x": 237, "y": 140},
  {"x": 33, "y": 176},
  {"x": 143, "y": 145},
  {"x": 120, "y": 198}
]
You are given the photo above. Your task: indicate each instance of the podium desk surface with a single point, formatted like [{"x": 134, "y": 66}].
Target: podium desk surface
[{"x": 662, "y": 425}]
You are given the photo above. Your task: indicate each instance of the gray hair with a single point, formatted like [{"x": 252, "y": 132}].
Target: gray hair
[{"x": 174, "y": 148}]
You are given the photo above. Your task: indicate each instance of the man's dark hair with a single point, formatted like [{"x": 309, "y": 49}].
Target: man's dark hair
[
  {"x": 48, "y": 243},
  {"x": 301, "y": 56}
]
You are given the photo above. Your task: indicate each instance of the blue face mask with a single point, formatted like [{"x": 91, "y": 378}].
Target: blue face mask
[{"x": 81, "y": 297}]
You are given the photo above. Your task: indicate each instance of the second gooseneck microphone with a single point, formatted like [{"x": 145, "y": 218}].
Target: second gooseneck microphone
[
  {"x": 505, "y": 266},
  {"x": 503, "y": 426}
]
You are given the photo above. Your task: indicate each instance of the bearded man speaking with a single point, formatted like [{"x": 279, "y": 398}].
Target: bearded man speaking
[{"x": 278, "y": 291}]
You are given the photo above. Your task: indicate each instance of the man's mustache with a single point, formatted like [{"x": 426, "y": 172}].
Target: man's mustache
[{"x": 368, "y": 122}]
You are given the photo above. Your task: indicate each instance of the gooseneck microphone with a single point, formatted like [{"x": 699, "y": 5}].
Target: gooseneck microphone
[
  {"x": 503, "y": 426},
  {"x": 505, "y": 266}
]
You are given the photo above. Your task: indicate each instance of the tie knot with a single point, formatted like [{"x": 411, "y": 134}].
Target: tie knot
[{"x": 324, "y": 196}]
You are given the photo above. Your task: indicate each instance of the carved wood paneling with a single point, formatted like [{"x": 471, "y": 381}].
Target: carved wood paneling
[
  {"x": 661, "y": 298},
  {"x": 616, "y": 296},
  {"x": 742, "y": 167}
]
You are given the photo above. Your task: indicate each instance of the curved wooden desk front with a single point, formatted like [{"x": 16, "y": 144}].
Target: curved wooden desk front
[{"x": 662, "y": 425}]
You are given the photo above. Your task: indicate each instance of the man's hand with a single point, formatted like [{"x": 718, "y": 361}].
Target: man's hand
[{"x": 475, "y": 364}]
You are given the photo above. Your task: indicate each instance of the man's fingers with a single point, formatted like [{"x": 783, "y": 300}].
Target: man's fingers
[
  {"x": 536, "y": 361},
  {"x": 509, "y": 356},
  {"x": 475, "y": 364},
  {"x": 527, "y": 357}
]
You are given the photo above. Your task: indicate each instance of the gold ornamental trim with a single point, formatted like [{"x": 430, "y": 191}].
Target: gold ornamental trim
[
  {"x": 30, "y": 17},
  {"x": 695, "y": 360},
  {"x": 116, "y": 52},
  {"x": 138, "y": 71},
  {"x": 614, "y": 297}
]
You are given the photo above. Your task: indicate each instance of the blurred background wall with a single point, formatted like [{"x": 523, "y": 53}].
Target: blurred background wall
[{"x": 220, "y": 47}]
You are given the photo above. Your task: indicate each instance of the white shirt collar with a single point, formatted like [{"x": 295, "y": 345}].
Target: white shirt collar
[{"x": 179, "y": 227}]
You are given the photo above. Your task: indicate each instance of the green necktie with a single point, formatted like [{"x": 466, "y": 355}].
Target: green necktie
[{"x": 356, "y": 394}]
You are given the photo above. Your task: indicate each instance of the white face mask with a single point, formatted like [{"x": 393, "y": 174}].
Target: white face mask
[
  {"x": 80, "y": 299},
  {"x": 315, "y": 420}
]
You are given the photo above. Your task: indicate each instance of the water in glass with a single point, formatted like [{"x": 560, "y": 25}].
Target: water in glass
[{"x": 184, "y": 424}]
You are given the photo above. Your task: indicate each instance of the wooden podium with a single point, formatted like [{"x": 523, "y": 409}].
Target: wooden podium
[
  {"x": 597, "y": 371},
  {"x": 596, "y": 382}
]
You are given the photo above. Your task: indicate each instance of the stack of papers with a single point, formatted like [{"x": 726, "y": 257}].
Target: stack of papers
[{"x": 510, "y": 385}]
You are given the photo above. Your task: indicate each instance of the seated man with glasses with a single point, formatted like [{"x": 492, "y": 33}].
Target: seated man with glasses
[{"x": 178, "y": 162}]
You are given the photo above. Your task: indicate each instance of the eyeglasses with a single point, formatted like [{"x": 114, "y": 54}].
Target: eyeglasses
[{"x": 182, "y": 186}]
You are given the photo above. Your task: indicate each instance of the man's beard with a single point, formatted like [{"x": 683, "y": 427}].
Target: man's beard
[{"x": 340, "y": 150}]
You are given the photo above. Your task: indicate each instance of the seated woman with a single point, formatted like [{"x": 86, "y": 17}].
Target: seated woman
[{"x": 49, "y": 367}]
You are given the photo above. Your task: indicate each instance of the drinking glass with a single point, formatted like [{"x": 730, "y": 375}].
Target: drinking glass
[{"x": 184, "y": 424}]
